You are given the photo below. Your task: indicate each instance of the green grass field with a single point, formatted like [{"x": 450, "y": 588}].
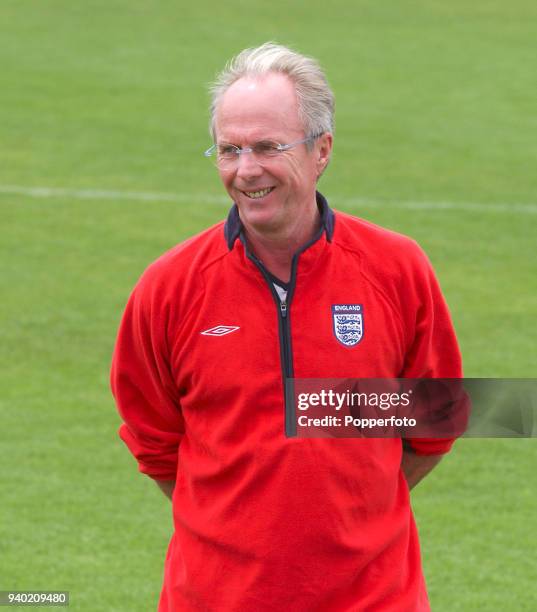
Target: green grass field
[{"x": 105, "y": 102}]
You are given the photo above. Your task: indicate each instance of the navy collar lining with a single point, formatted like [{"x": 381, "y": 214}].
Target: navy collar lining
[
  {"x": 278, "y": 282},
  {"x": 233, "y": 226}
]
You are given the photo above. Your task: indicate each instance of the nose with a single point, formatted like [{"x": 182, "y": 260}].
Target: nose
[{"x": 248, "y": 166}]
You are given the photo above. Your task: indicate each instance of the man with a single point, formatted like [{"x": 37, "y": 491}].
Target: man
[{"x": 265, "y": 520}]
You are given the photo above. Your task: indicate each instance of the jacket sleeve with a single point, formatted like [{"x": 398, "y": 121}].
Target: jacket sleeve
[
  {"x": 433, "y": 350},
  {"x": 146, "y": 396}
]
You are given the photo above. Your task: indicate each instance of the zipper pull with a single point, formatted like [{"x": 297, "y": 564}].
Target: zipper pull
[{"x": 283, "y": 309}]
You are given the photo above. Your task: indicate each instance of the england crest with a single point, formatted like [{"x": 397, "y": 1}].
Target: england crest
[{"x": 348, "y": 322}]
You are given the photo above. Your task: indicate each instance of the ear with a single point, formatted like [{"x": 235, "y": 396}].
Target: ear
[{"x": 323, "y": 151}]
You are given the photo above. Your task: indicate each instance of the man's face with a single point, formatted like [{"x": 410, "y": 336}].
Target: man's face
[{"x": 273, "y": 196}]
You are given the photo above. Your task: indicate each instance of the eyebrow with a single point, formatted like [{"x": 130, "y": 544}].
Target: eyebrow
[{"x": 261, "y": 140}]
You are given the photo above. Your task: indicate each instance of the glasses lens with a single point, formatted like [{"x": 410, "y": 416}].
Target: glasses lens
[
  {"x": 227, "y": 152},
  {"x": 266, "y": 149},
  {"x": 227, "y": 156}
]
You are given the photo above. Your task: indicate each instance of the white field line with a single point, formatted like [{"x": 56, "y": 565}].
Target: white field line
[
  {"x": 147, "y": 196},
  {"x": 108, "y": 194}
]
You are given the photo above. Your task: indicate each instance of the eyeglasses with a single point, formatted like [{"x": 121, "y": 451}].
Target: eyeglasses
[{"x": 264, "y": 151}]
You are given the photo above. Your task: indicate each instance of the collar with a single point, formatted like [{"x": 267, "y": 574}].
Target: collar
[{"x": 233, "y": 227}]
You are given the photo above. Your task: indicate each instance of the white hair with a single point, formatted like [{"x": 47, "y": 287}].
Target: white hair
[{"x": 315, "y": 98}]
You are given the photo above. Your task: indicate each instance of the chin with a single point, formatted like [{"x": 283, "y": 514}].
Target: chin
[{"x": 260, "y": 220}]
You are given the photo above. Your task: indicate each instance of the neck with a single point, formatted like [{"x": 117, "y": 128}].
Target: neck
[{"x": 276, "y": 249}]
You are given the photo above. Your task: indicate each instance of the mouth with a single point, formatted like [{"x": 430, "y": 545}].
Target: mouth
[{"x": 260, "y": 193}]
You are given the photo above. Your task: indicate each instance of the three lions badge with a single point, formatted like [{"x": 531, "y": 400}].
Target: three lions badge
[{"x": 348, "y": 323}]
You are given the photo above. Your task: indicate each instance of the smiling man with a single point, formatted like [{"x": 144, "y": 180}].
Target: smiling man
[
  {"x": 215, "y": 327},
  {"x": 275, "y": 194}
]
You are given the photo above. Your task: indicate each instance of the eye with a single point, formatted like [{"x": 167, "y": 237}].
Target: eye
[
  {"x": 227, "y": 150},
  {"x": 267, "y": 148}
]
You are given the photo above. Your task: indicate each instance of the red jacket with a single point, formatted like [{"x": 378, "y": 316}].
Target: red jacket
[{"x": 264, "y": 520}]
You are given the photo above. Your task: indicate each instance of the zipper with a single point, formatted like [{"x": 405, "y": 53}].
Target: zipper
[
  {"x": 287, "y": 365},
  {"x": 284, "y": 328},
  {"x": 286, "y": 353}
]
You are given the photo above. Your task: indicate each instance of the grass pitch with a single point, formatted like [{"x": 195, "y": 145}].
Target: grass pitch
[{"x": 436, "y": 138}]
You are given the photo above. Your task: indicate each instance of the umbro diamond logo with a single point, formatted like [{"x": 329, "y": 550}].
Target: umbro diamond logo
[{"x": 220, "y": 330}]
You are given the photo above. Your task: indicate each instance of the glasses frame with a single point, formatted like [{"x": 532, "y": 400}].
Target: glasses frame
[{"x": 212, "y": 150}]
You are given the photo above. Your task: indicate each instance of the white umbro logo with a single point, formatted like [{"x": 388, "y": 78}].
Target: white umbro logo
[{"x": 220, "y": 330}]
